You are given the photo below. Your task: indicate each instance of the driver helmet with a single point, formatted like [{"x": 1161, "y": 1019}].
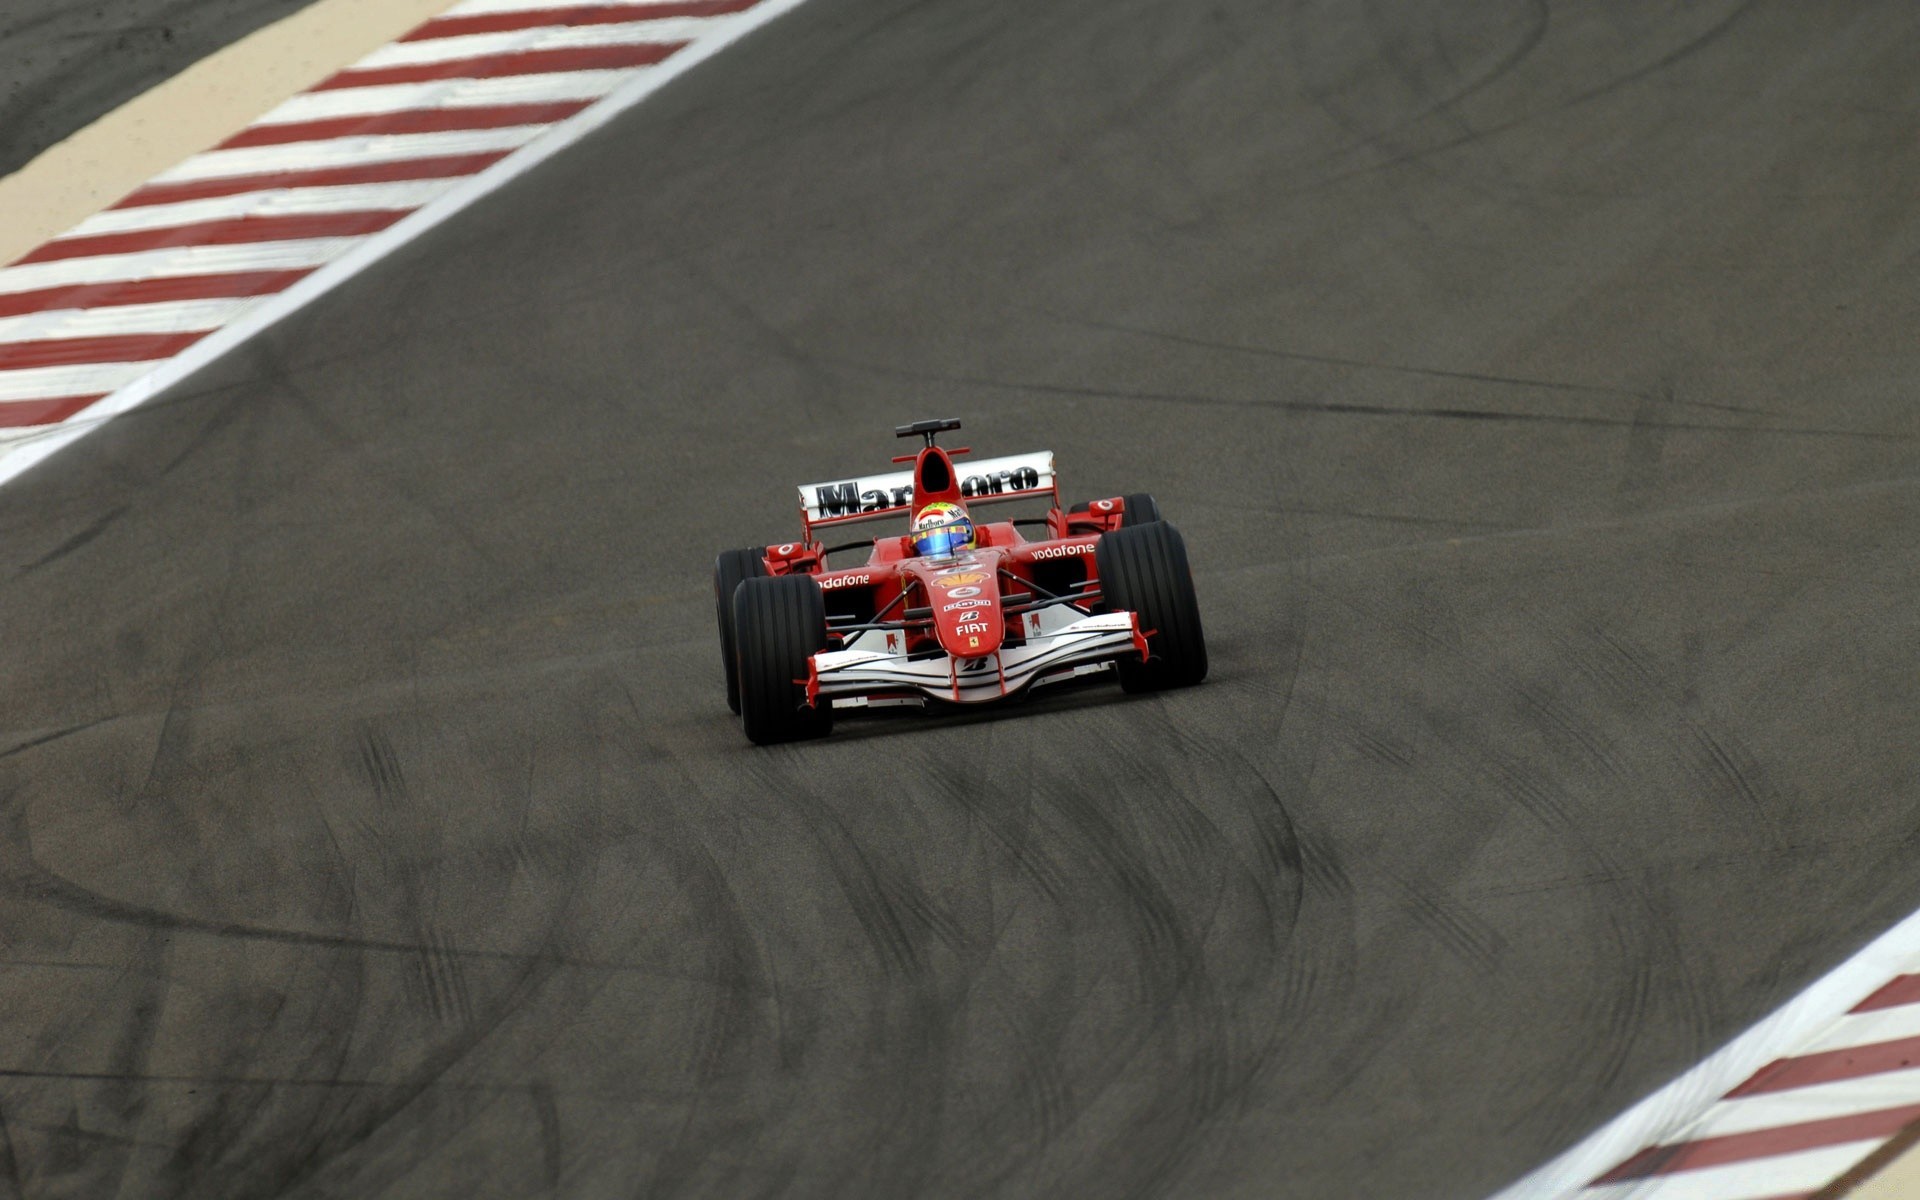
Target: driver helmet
[{"x": 942, "y": 530}]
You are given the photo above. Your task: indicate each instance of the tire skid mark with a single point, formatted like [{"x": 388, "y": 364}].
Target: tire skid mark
[
  {"x": 1640, "y": 925},
  {"x": 1672, "y": 58},
  {"x": 381, "y": 765},
  {"x": 94, "y": 529},
  {"x": 1165, "y": 972},
  {"x": 1447, "y": 105},
  {"x": 912, "y": 941},
  {"x": 1739, "y": 772},
  {"x": 442, "y": 977},
  {"x": 727, "y": 1038},
  {"x": 1466, "y": 935},
  {"x": 1384, "y": 140},
  {"x": 350, "y": 1119},
  {"x": 1194, "y": 1006},
  {"x": 546, "y": 1111},
  {"x": 1359, "y": 409},
  {"x": 47, "y": 739},
  {"x": 1043, "y": 1012},
  {"x": 9, "y": 1159}
]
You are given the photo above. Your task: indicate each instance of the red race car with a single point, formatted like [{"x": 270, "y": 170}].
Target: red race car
[{"x": 953, "y": 611}]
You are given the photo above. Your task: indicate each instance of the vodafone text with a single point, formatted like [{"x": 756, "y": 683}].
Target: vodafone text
[{"x": 1065, "y": 551}]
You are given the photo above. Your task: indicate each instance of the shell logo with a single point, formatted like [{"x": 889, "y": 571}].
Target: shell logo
[{"x": 963, "y": 580}]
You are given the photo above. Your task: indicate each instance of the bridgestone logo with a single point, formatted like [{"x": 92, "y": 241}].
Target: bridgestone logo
[{"x": 1064, "y": 551}]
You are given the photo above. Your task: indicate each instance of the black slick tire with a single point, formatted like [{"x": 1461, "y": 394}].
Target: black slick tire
[
  {"x": 1143, "y": 569},
  {"x": 730, "y": 570},
  {"x": 779, "y": 623},
  {"x": 1142, "y": 509}
]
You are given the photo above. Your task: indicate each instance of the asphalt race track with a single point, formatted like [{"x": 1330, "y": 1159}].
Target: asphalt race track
[
  {"x": 64, "y": 64},
  {"x": 1534, "y": 384}
]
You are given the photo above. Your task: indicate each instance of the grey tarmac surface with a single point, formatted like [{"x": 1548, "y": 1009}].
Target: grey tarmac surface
[
  {"x": 1533, "y": 384},
  {"x": 64, "y": 65}
]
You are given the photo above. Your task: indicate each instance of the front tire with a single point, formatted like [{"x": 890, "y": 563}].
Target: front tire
[
  {"x": 780, "y": 622},
  {"x": 1143, "y": 569},
  {"x": 730, "y": 570}
]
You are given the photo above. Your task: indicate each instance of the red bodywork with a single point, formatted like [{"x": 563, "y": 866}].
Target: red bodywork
[{"x": 969, "y": 607}]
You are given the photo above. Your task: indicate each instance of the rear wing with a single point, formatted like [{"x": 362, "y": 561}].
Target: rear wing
[{"x": 845, "y": 501}]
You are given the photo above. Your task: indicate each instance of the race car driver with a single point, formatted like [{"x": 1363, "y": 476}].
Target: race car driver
[{"x": 942, "y": 530}]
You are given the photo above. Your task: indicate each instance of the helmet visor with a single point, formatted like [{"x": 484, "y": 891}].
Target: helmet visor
[{"x": 944, "y": 540}]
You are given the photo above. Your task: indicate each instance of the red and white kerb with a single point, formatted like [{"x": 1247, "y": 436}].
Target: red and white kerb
[
  {"x": 1799, "y": 1122},
  {"x": 205, "y": 243}
]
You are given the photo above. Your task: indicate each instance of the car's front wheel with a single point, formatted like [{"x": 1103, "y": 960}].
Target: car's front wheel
[
  {"x": 1143, "y": 570},
  {"x": 780, "y": 622},
  {"x": 730, "y": 570}
]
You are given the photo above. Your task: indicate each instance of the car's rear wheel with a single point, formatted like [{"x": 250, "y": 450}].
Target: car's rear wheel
[
  {"x": 780, "y": 622},
  {"x": 1142, "y": 509},
  {"x": 1143, "y": 569},
  {"x": 730, "y": 570}
]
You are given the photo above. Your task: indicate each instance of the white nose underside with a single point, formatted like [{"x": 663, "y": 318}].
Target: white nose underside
[{"x": 1088, "y": 642}]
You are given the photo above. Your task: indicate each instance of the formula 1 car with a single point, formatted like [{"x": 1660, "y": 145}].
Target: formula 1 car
[{"x": 972, "y": 622}]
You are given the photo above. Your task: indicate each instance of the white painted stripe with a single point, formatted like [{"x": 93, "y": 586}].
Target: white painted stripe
[
  {"x": 174, "y": 261},
  {"x": 470, "y": 8},
  {"x": 275, "y": 202},
  {"x": 181, "y": 316},
  {"x": 446, "y": 93},
  {"x": 345, "y": 152},
  {"x": 1666, "y": 1114},
  {"x": 1867, "y": 1028},
  {"x": 547, "y": 37},
  {"x": 1781, "y": 1175},
  {"x": 1846, "y": 1097},
  {"x": 1773, "y": 1110},
  {"x": 51, "y": 383},
  {"x": 36, "y": 446}
]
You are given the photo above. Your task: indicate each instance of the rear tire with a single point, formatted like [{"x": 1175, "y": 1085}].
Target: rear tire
[
  {"x": 779, "y": 622},
  {"x": 1142, "y": 509},
  {"x": 1143, "y": 569},
  {"x": 732, "y": 568}
]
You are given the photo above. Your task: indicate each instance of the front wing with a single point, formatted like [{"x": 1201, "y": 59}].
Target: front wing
[{"x": 859, "y": 676}]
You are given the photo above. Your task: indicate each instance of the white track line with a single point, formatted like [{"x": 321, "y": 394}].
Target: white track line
[
  {"x": 447, "y": 93},
  {"x": 345, "y": 152},
  {"x": 474, "y": 8},
  {"x": 276, "y": 202},
  {"x": 1667, "y": 1115},
  {"x": 36, "y": 445},
  {"x": 546, "y": 37},
  {"x": 1868, "y": 1028},
  {"x": 47, "y": 383},
  {"x": 175, "y": 261},
  {"x": 1756, "y": 1179},
  {"x": 180, "y": 316}
]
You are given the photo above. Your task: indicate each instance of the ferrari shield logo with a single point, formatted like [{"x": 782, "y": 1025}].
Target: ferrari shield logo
[{"x": 972, "y": 642}]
